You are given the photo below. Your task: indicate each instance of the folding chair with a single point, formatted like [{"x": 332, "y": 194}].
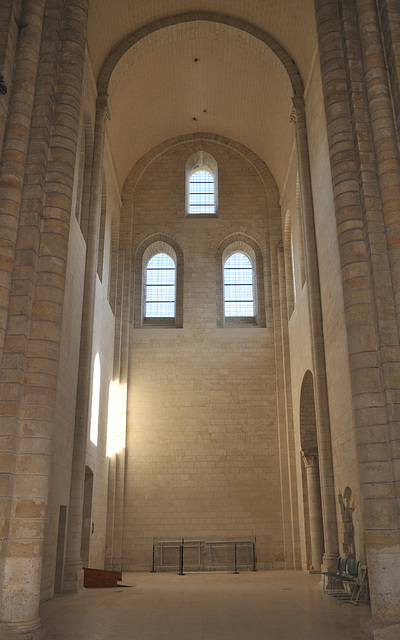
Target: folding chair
[
  {"x": 360, "y": 588},
  {"x": 331, "y": 583}
]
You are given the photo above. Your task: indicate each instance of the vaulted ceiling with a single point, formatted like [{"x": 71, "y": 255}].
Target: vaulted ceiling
[{"x": 177, "y": 67}]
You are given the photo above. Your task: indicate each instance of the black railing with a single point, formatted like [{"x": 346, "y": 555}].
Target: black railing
[{"x": 200, "y": 555}]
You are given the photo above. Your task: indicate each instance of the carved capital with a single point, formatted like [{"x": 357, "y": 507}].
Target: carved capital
[{"x": 309, "y": 459}]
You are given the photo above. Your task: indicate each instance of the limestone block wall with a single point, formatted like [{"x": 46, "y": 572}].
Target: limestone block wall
[
  {"x": 96, "y": 459},
  {"x": 202, "y": 445},
  {"x": 103, "y": 346}
]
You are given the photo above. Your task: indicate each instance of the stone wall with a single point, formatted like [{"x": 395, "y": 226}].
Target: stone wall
[{"x": 202, "y": 443}]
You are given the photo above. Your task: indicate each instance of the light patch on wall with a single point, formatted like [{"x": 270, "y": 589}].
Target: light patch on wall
[
  {"x": 94, "y": 420},
  {"x": 116, "y": 417}
]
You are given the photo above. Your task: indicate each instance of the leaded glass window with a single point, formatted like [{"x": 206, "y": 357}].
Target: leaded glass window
[
  {"x": 201, "y": 196},
  {"x": 238, "y": 286},
  {"x": 160, "y": 287}
]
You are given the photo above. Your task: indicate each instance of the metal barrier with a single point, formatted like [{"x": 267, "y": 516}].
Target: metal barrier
[{"x": 201, "y": 555}]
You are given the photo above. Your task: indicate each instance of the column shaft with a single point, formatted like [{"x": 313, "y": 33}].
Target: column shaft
[
  {"x": 15, "y": 147},
  {"x": 368, "y": 295},
  {"x": 384, "y": 132},
  {"x": 314, "y": 510},
  {"x": 39, "y": 336},
  {"x": 317, "y": 344}
]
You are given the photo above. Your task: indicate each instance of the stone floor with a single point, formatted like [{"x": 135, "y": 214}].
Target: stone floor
[{"x": 266, "y": 605}]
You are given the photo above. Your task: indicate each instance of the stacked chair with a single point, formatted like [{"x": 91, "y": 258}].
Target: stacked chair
[{"x": 349, "y": 581}]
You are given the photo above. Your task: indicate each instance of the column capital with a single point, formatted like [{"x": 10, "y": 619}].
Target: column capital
[{"x": 310, "y": 459}]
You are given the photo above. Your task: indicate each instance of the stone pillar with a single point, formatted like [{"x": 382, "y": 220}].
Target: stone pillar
[
  {"x": 317, "y": 342},
  {"x": 385, "y": 551},
  {"x": 33, "y": 339},
  {"x": 384, "y": 132},
  {"x": 15, "y": 148},
  {"x": 5, "y": 22},
  {"x": 73, "y": 574},
  {"x": 355, "y": 145},
  {"x": 8, "y": 51},
  {"x": 314, "y": 509}
]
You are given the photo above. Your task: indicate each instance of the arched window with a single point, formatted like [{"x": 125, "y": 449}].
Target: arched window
[
  {"x": 159, "y": 283},
  {"x": 201, "y": 196},
  {"x": 241, "y": 300},
  {"x": 201, "y": 185},
  {"x": 238, "y": 286},
  {"x": 160, "y": 287}
]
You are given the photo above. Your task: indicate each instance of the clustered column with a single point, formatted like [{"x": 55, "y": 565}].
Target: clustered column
[
  {"x": 15, "y": 146},
  {"x": 361, "y": 133},
  {"x": 36, "y": 290}
]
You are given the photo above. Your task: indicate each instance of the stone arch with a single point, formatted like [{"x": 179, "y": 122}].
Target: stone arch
[
  {"x": 259, "y": 166},
  {"x": 311, "y": 483},
  {"x": 272, "y": 211},
  {"x": 271, "y": 190},
  {"x": 124, "y": 45}
]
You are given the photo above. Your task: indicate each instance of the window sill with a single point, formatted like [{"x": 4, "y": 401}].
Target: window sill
[
  {"x": 148, "y": 323},
  {"x": 240, "y": 321},
  {"x": 201, "y": 215}
]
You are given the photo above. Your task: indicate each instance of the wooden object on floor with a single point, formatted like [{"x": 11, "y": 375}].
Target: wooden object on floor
[{"x": 99, "y": 578}]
